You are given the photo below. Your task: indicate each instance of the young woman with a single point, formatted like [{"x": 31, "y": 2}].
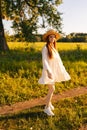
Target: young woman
[{"x": 53, "y": 68}]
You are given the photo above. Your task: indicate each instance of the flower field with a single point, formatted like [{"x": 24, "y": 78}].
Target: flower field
[{"x": 20, "y": 69}]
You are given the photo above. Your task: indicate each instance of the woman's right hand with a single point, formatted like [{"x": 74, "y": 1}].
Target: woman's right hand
[{"x": 49, "y": 75}]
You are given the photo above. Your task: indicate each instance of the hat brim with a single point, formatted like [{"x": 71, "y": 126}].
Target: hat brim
[{"x": 57, "y": 35}]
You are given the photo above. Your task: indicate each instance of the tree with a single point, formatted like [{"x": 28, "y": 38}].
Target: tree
[
  {"x": 26, "y": 15},
  {"x": 3, "y": 44}
]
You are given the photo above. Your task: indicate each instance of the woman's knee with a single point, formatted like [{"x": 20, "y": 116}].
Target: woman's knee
[{"x": 52, "y": 87}]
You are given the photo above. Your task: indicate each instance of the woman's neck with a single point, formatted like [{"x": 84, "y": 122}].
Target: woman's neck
[{"x": 52, "y": 44}]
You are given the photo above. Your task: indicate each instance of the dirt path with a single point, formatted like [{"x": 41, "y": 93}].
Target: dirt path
[{"x": 41, "y": 101}]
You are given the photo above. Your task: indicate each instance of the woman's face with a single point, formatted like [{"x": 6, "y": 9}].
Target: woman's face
[{"x": 51, "y": 38}]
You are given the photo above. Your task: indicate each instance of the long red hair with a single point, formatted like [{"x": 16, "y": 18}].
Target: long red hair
[{"x": 49, "y": 48}]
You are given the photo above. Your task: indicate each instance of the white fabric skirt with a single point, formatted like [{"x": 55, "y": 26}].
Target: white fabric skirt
[{"x": 58, "y": 71}]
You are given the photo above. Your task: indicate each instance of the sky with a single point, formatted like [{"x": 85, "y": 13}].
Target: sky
[{"x": 74, "y": 18}]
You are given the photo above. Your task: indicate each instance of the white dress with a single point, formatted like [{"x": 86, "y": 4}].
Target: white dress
[{"x": 54, "y": 66}]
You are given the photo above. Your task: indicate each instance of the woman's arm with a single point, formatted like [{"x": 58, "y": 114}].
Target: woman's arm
[{"x": 45, "y": 62}]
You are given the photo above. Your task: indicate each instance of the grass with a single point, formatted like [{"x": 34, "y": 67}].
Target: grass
[
  {"x": 70, "y": 114},
  {"x": 20, "y": 69}
]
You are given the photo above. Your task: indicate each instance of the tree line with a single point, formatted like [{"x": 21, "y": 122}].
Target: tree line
[{"x": 72, "y": 37}]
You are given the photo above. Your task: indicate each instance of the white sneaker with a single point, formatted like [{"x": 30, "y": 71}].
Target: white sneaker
[
  {"x": 48, "y": 111},
  {"x": 51, "y": 106}
]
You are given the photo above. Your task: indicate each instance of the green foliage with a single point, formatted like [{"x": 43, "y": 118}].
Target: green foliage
[
  {"x": 30, "y": 15},
  {"x": 21, "y": 68},
  {"x": 74, "y": 37},
  {"x": 70, "y": 114}
]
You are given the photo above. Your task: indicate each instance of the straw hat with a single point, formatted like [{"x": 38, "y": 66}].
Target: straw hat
[{"x": 51, "y": 32}]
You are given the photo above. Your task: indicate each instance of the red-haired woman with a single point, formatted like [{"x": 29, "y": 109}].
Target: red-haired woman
[{"x": 53, "y": 68}]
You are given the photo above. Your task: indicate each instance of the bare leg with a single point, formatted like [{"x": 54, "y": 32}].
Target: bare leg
[
  {"x": 50, "y": 94},
  {"x": 48, "y": 108}
]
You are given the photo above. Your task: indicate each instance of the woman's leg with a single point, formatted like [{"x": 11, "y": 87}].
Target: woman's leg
[{"x": 50, "y": 94}]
